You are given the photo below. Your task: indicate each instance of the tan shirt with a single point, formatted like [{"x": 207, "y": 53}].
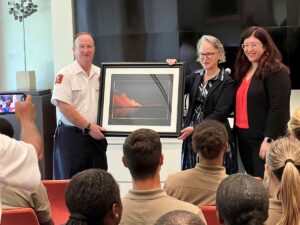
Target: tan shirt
[
  {"x": 37, "y": 200},
  {"x": 197, "y": 186},
  {"x": 275, "y": 211},
  {"x": 146, "y": 207}
]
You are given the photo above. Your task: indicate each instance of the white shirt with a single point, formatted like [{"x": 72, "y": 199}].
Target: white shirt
[
  {"x": 75, "y": 87},
  {"x": 18, "y": 165}
]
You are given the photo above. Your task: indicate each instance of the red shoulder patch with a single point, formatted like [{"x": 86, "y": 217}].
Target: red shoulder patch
[{"x": 59, "y": 79}]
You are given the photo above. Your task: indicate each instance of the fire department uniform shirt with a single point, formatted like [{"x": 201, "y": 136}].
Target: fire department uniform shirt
[
  {"x": 75, "y": 87},
  {"x": 18, "y": 165}
]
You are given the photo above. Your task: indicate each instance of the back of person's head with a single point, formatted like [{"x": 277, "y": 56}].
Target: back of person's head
[
  {"x": 210, "y": 139},
  {"x": 283, "y": 160},
  {"x": 142, "y": 153},
  {"x": 93, "y": 198},
  {"x": 6, "y": 128},
  {"x": 179, "y": 217},
  {"x": 294, "y": 124},
  {"x": 241, "y": 200}
]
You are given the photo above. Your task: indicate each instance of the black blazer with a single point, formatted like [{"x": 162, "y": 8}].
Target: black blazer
[
  {"x": 219, "y": 101},
  {"x": 268, "y": 104}
]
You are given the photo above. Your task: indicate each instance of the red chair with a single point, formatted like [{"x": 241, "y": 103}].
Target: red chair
[
  {"x": 19, "y": 217},
  {"x": 56, "y": 194},
  {"x": 210, "y": 214}
]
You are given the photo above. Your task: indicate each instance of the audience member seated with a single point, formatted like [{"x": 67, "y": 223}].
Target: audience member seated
[
  {"x": 199, "y": 185},
  {"x": 19, "y": 159},
  {"x": 19, "y": 198},
  {"x": 241, "y": 200},
  {"x": 37, "y": 200},
  {"x": 93, "y": 198},
  {"x": 179, "y": 217},
  {"x": 147, "y": 201},
  {"x": 294, "y": 124},
  {"x": 282, "y": 179}
]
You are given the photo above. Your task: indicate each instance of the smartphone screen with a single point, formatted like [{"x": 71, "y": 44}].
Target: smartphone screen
[{"x": 8, "y": 101}]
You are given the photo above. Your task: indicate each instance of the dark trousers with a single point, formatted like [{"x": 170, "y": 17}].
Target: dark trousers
[
  {"x": 74, "y": 152},
  {"x": 188, "y": 156},
  {"x": 249, "y": 143}
]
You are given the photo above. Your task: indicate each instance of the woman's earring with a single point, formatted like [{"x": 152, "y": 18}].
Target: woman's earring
[{"x": 117, "y": 215}]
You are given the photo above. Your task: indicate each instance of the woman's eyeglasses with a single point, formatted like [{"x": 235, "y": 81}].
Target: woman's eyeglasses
[
  {"x": 208, "y": 54},
  {"x": 252, "y": 45}
]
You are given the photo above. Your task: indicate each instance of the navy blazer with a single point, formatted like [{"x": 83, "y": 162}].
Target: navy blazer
[
  {"x": 268, "y": 104},
  {"x": 219, "y": 101}
]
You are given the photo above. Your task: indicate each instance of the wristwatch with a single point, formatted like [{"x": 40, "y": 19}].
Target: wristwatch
[{"x": 86, "y": 130}]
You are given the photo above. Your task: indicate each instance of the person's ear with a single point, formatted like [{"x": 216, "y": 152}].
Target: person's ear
[
  {"x": 161, "y": 160},
  {"x": 113, "y": 216},
  {"x": 115, "y": 211},
  {"x": 226, "y": 149},
  {"x": 268, "y": 171},
  {"x": 124, "y": 161}
]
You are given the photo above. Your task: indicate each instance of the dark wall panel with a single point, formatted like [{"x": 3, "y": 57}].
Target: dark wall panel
[
  {"x": 153, "y": 30},
  {"x": 130, "y": 30}
]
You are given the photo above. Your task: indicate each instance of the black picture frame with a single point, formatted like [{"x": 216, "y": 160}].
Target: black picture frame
[{"x": 141, "y": 95}]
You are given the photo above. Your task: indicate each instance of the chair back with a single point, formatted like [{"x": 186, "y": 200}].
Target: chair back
[
  {"x": 56, "y": 194},
  {"x": 210, "y": 214},
  {"x": 19, "y": 217}
]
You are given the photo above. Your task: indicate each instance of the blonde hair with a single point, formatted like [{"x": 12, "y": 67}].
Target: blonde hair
[
  {"x": 283, "y": 159},
  {"x": 214, "y": 42},
  {"x": 294, "y": 124}
]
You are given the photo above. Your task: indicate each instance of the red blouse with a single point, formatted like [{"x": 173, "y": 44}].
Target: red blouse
[{"x": 241, "y": 115}]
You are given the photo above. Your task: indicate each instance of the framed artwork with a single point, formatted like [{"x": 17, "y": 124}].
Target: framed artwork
[{"x": 141, "y": 95}]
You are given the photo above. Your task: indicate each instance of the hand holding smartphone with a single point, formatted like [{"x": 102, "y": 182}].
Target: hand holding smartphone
[{"x": 8, "y": 101}]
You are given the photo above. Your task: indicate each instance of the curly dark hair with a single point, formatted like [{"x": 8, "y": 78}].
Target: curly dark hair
[
  {"x": 241, "y": 200},
  {"x": 270, "y": 61},
  {"x": 90, "y": 195},
  {"x": 209, "y": 139}
]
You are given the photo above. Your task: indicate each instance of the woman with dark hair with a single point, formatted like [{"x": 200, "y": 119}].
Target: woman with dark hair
[
  {"x": 262, "y": 98},
  {"x": 93, "y": 198},
  {"x": 241, "y": 200}
]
